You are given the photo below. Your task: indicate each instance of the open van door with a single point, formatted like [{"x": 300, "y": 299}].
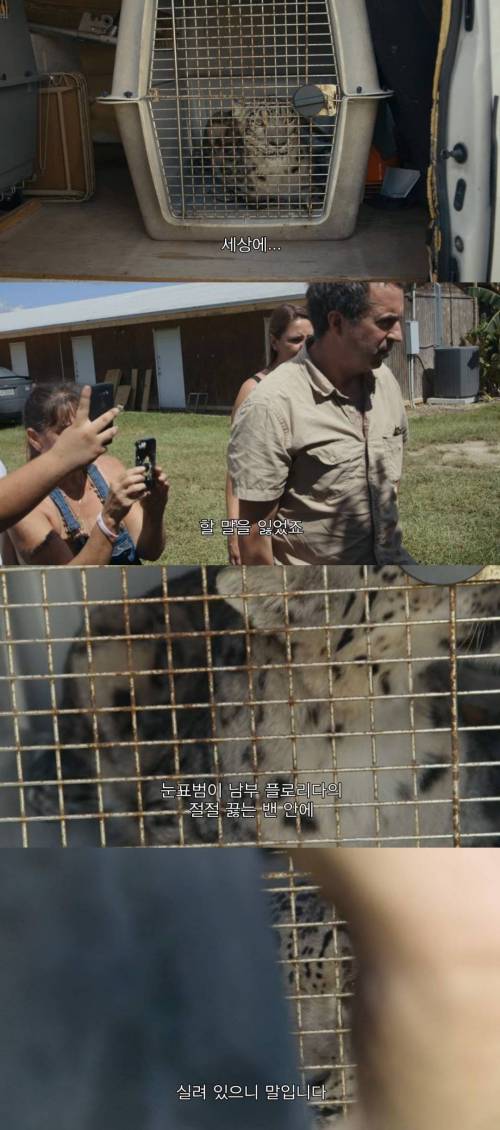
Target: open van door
[{"x": 464, "y": 182}]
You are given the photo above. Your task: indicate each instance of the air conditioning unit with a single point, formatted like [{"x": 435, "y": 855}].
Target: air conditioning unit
[
  {"x": 18, "y": 98},
  {"x": 246, "y": 116},
  {"x": 456, "y": 371}
]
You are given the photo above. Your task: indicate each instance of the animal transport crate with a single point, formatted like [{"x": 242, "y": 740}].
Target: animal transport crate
[
  {"x": 239, "y": 706},
  {"x": 253, "y": 114}
]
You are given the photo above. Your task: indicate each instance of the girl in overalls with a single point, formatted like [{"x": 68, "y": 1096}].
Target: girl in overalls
[{"x": 99, "y": 514}]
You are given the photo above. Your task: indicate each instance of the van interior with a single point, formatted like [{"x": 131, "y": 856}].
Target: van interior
[{"x": 75, "y": 211}]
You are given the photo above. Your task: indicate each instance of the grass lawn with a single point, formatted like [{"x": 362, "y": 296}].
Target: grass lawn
[
  {"x": 449, "y": 498},
  {"x": 450, "y": 492}
]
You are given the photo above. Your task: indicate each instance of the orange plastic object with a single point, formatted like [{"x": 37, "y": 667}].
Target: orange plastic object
[{"x": 376, "y": 168}]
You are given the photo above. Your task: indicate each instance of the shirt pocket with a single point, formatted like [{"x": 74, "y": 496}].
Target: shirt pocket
[
  {"x": 393, "y": 456},
  {"x": 327, "y": 472}
]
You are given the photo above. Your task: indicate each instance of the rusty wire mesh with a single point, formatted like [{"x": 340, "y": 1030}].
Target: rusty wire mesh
[
  {"x": 228, "y": 137},
  {"x": 315, "y": 956},
  {"x": 239, "y": 706}
]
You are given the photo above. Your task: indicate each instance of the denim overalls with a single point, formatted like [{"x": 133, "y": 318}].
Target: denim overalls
[{"x": 124, "y": 550}]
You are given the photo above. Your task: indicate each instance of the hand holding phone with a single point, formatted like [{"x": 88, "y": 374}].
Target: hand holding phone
[{"x": 102, "y": 398}]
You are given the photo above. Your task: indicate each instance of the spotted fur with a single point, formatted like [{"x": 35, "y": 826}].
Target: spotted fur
[
  {"x": 341, "y": 685},
  {"x": 255, "y": 155},
  {"x": 315, "y": 954}
]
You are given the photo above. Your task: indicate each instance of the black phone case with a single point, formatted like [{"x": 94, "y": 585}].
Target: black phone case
[
  {"x": 102, "y": 398},
  {"x": 145, "y": 455}
]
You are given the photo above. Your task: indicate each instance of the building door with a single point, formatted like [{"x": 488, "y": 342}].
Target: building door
[
  {"x": 19, "y": 358},
  {"x": 83, "y": 360},
  {"x": 169, "y": 368}
]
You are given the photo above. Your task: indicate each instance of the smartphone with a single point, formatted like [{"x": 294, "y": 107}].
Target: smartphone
[
  {"x": 145, "y": 456},
  {"x": 102, "y": 398}
]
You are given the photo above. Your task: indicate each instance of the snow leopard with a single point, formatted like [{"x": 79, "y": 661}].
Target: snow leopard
[
  {"x": 315, "y": 955},
  {"x": 326, "y": 688},
  {"x": 255, "y": 153}
]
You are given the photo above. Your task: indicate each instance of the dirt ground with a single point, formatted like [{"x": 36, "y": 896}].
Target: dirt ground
[{"x": 478, "y": 453}]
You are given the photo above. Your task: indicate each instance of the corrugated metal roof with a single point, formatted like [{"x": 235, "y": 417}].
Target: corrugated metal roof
[{"x": 177, "y": 298}]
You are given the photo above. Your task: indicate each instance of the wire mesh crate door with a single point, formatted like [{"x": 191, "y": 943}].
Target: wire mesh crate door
[
  {"x": 230, "y": 139},
  {"x": 316, "y": 960},
  {"x": 228, "y": 707},
  {"x": 246, "y": 112}
]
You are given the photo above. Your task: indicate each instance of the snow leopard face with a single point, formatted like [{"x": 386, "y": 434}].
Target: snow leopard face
[
  {"x": 326, "y": 677},
  {"x": 255, "y": 155}
]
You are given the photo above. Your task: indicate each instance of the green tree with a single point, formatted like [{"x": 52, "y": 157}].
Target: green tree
[{"x": 487, "y": 336}]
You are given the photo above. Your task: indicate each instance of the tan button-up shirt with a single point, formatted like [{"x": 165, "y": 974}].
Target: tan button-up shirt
[{"x": 334, "y": 468}]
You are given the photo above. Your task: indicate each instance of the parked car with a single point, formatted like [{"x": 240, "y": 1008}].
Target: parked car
[{"x": 14, "y": 392}]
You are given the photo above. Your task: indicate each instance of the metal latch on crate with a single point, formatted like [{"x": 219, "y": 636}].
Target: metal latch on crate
[
  {"x": 373, "y": 95},
  {"x": 316, "y": 100}
]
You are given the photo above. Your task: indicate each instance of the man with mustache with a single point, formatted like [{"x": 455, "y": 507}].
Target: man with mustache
[{"x": 316, "y": 450}]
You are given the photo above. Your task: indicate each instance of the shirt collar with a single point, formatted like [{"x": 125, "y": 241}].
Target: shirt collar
[
  {"x": 321, "y": 383},
  {"x": 316, "y": 377}
]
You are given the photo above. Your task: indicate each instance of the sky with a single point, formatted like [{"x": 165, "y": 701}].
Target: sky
[{"x": 20, "y": 295}]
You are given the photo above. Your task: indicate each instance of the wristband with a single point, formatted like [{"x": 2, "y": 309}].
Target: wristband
[{"x": 105, "y": 530}]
